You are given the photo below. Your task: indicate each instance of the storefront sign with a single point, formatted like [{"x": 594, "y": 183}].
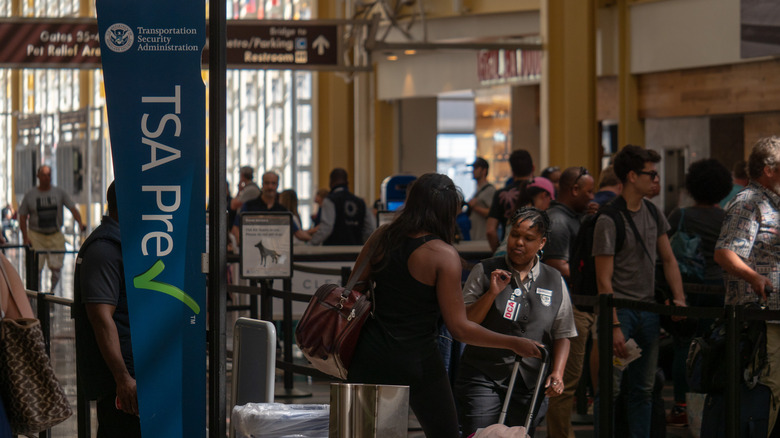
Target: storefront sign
[
  {"x": 75, "y": 43},
  {"x": 503, "y": 66},
  {"x": 155, "y": 99}
]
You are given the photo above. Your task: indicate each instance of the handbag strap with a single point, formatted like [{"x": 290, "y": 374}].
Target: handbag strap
[
  {"x": 359, "y": 269},
  {"x": 681, "y": 224},
  {"x": 10, "y": 289},
  {"x": 16, "y": 296}
]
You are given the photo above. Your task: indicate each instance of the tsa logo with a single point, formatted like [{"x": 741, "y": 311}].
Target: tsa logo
[{"x": 119, "y": 37}]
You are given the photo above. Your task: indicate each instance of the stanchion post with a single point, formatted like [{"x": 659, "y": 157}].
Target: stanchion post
[
  {"x": 733, "y": 325},
  {"x": 266, "y": 301},
  {"x": 31, "y": 261},
  {"x": 287, "y": 329},
  {"x": 253, "y": 312},
  {"x": 605, "y": 366}
]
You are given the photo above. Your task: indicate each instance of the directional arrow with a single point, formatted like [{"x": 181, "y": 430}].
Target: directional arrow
[
  {"x": 146, "y": 281},
  {"x": 321, "y": 43}
]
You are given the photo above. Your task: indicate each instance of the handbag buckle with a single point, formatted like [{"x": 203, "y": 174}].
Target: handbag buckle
[{"x": 341, "y": 302}]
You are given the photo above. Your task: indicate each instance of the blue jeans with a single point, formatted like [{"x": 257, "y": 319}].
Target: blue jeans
[{"x": 644, "y": 328}]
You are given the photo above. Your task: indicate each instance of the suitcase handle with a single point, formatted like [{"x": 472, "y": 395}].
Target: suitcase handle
[{"x": 539, "y": 380}]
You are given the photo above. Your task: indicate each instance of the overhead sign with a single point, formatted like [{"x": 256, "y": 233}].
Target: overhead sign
[
  {"x": 64, "y": 42},
  {"x": 282, "y": 44},
  {"x": 156, "y": 106},
  {"x": 255, "y": 44}
]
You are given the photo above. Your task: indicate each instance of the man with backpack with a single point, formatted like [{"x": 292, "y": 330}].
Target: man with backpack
[
  {"x": 575, "y": 192},
  {"x": 626, "y": 269},
  {"x": 747, "y": 251}
]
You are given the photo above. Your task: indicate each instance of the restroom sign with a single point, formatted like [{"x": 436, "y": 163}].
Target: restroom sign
[{"x": 282, "y": 44}]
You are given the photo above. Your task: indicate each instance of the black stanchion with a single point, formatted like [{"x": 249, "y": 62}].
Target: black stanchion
[
  {"x": 733, "y": 324},
  {"x": 31, "y": 264},
  {"x": 606, "y": 401},
  {"x": 288, "y": 391},
  {"x": 44, "y": 316}
]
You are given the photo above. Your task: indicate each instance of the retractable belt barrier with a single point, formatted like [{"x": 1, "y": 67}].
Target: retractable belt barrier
[{"x": 733, "y": 315}]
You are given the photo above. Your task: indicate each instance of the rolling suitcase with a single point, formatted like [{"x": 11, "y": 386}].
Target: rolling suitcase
[{"x": 488, "y": 432}]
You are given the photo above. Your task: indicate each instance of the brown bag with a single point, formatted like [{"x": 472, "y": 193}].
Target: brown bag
[
  {"x": 33, "y": 398},
  {"x": 329, "y": 329}
]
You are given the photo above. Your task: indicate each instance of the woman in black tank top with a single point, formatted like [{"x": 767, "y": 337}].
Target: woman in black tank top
[{"x": 417, "y": 272}]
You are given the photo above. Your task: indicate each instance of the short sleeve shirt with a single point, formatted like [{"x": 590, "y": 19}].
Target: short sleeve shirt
[
  {"x": 751, "y": 230},
  {"x": 633, "y": 275},
  {"x": 478, "y": 283},
  {"x": 45, "y": 208},
  {"x": 564, "y": 225}
]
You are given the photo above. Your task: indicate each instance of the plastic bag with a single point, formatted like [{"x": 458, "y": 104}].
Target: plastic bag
[{"x": 278, "y": 420}]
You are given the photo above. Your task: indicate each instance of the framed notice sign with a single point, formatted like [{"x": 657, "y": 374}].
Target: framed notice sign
[{"x": 266, "y": 245}]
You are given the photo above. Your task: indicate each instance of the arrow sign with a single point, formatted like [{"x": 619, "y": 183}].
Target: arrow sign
[{"x": 321, "y": 43}]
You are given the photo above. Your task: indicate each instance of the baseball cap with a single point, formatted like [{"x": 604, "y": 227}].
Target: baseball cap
[
  {"x": 543, "y": 183},
  {"x": 480, "y": 162}
]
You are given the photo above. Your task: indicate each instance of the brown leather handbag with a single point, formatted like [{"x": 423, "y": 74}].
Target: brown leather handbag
[{"x": 329, "y": 329}]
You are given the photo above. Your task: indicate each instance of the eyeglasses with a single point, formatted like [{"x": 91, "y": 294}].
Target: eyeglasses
[
  {"x": 652, "y": 174},
  {"x": 583, "y": 172}
]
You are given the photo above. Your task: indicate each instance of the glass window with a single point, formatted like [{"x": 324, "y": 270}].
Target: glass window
[{"x": 454, "y": 152}]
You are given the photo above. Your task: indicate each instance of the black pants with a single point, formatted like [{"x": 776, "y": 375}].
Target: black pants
[
  {"x": 113, "y": 423},
  {"x": 481, "y": 399},
  {"x": 381, "y": 360}
]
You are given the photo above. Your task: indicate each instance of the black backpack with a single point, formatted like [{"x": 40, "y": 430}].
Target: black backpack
[{"x": 582, "y": 265}]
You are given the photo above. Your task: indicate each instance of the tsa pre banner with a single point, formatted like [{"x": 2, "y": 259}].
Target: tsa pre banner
[{"x": 151, "y": 55}]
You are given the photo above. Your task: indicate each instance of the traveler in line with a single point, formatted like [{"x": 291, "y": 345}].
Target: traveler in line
[
  {"x": 417, "y": 275},
  {"x": 345, "y": 219},
  {"x": 574, "y": 195},
  {"x": 479, "y": 205},
  {"x": 247, "y": 188},
  {"x": 746, "y": 250},
  {"x": 707, "y": 182},
  {"x": 553, "y": 173},
  {"x": 268, "y": 201},
  {"x": 289, "y": 200},
  {"x": 505, "y": 201},
  {"x": 103, "y": 346},
  {"x": 517, "y": 295},
  {"x": 42, "y": 206},
  {"x": 630, "y": 273},
  {"x": 740, "y": 180}
]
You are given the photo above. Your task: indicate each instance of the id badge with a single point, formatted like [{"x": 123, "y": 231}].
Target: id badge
[{"x": 513, "y": 305}]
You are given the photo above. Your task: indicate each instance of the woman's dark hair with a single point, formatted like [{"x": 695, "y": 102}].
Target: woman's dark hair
[
  {"x": 538, "y": 218},
  {"x": 431, "y": 205},
  {"x": 708, "y": 181}
]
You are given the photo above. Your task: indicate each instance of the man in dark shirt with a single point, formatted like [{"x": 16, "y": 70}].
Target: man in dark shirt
[
  {"x": 345, "y": 218},
  {"x": 104, "y": 350},
  {"x": 267, "y": 201}
]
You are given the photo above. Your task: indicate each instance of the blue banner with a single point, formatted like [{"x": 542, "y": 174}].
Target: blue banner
[{"x": 151, "y": 54}]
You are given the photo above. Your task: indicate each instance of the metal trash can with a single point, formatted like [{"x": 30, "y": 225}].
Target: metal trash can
[{"x": 358, "y": 410}]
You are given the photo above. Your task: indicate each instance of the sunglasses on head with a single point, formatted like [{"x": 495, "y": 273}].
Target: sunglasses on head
[{"x": 583, "y": 172}]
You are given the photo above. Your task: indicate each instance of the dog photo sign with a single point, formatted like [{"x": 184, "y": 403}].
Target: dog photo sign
[{"x": 266, "y": 245}]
